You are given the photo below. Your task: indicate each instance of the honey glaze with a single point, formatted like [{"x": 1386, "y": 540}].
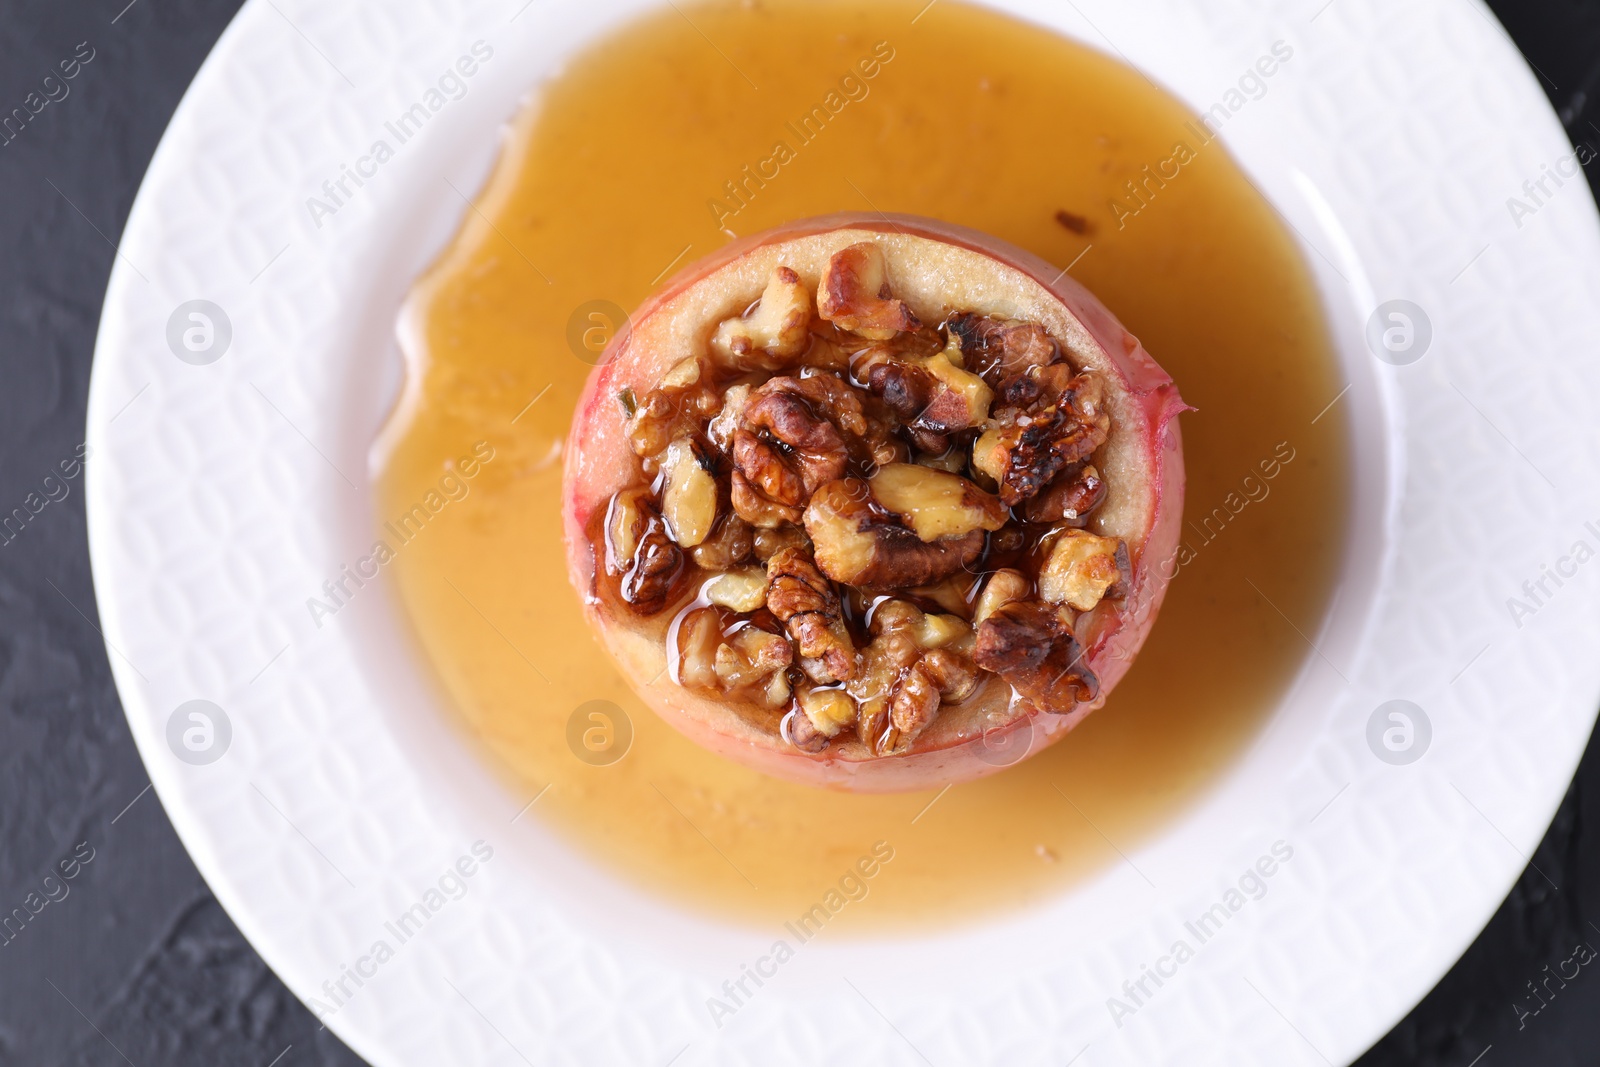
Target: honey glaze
[{"x": 644, "y": 154}]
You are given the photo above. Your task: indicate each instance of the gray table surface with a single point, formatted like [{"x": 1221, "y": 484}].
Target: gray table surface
[{"x": 138, "y": 964}]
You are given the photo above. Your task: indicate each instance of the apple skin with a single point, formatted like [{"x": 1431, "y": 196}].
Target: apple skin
[{"x": 599, "y": 462}]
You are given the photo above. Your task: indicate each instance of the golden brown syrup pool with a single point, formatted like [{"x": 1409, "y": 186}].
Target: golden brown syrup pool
[{"x": 612, "y": 178}]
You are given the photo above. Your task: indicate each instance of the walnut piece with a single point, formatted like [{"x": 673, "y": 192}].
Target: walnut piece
[
  {"x": 859, "y": 543},
  {"x": 828, "y": 711},
  {"x": 699, "y": 635},
  {"x": 770, "y": 542},
  {"x": 1082, "y": 569},
  {"x": 729, "y": 545},
  {"x": 1027, "y": 644},
  {"x": 932, "y": 396},
  {"x": 627, "y": 517},
  {"x": 771, "y": 334},
  {"x": 676, "y": 407},
  {"x": 755, "y": 508},
  {"x": 1003, "y": 587},
  {"x": 640, "y": 551},
  {"x": 689, "y": 497},
  {"x": 651, "y": 581},
  {"x": 743, "y": 590},
  {"x": 997, "y": 349},
  {"x": 1071, "y": 498},
  {"x": 934, "y": 503},
  {"x": 902, "y": 684},
  {"x": 750, "y": 661},
  {"x": 854, "y": 294},
  {"x": 1031, "y": 444},
  {"x": 805, "y": 602},
  {"x": 792, "y": 441}
]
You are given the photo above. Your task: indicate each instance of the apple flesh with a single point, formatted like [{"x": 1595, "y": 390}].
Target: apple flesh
[{"x": 933, "y": 271}]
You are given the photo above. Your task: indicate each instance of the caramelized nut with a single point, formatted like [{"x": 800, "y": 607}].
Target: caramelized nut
[
  {"x": 1033, "y": 444},
  {"x": 1028, "y": 645},
  {"x": 931, "y": 395},
  {"x": 954, "y": 674},
  {"x": 937, "y": 631},
  {"x": 792, "y": 438},
  {"x": 773, "y": 332},
  {"x": 828, "y": 710},
  {"x": 626, "y": 518},
  {"x": 769, "y": 542},
  {"x": 934, "y": 503},
  {"x": 699, "y": 636},
  {"x": 743, "y": 590},
  {"x": 728, "y": 420},
  {"x": 997, "y": 349},
  {"x": 859, "y": 544},
  {"x": 800, "y": 731},
  {"x": 683, "y": 374},
  {"x": 1004, "y": 587},
  {"x": 657, "y": 566},
  {"x": 671, "y": 411},
  {"x": 901, "y": 683},
  {"x": 749, "y": 657},
  {"x": 805, "y": 602},
  {"x": 854, "y": 294},
  {"x": 689, "y": 498},
  {"x": 1071, "y": 498},
  {"x": 756, "y": 509},
  {"x": 727, "y": 547},
  {"x": 1082, "y": 568}
]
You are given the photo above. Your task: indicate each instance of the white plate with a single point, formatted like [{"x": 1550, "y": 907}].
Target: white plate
[{"x": 222, "y": 495}]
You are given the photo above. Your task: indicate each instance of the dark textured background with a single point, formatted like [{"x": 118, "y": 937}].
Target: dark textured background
[{"x": 138, "y": 964}]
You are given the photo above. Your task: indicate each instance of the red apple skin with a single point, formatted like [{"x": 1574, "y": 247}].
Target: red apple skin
[{"x": 597, "y": 450}]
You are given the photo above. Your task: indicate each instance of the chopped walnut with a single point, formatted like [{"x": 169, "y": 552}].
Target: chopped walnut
[
  {"x": 640, "y": 551},
  {"x": 743, "y": 590},
  {"x": 931, "y": 395},
  {"x": 1082, "y": 569},
  {"x": 749, "y": 658},
  {"x": 802, "y": 732},
  {"x": 935, "y": 503},
  {"x": 628, "y": 516},
  {"x": 1030, "y": 445},
  {"x": 689, "y": 497},
  {"x": 1071, "y": 498},
  {"x": 859, "y": 543},
  {"x": 953, "y": 594},
  {"x": 754, "y": 508},
  {"x": 749, "y": 661},
  {"x": 805, "y": 602},
  {"x": 793, "y": 440},
  {"x": 769, "y": 542},
  {"x": 1028, "y": 645},
  {"x": 678, "y": 406},
  {"x": 771, "y": 334},
  {"x": 699, "y": 635},
  {"x": 1003, "y": 587},
  {"x": 730, "y": 417},
  {"x": 651, "y": 581},
  {"x": 729, "y": 545},
  {"x": 903, "y": 680},
  {"x": 997, "y": 349},
  {"x": 827, "y": 712},
  {"x": 854, "y": 294}
]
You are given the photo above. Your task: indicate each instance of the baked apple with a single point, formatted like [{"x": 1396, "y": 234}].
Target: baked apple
[{"x": 878, "y": 503}]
